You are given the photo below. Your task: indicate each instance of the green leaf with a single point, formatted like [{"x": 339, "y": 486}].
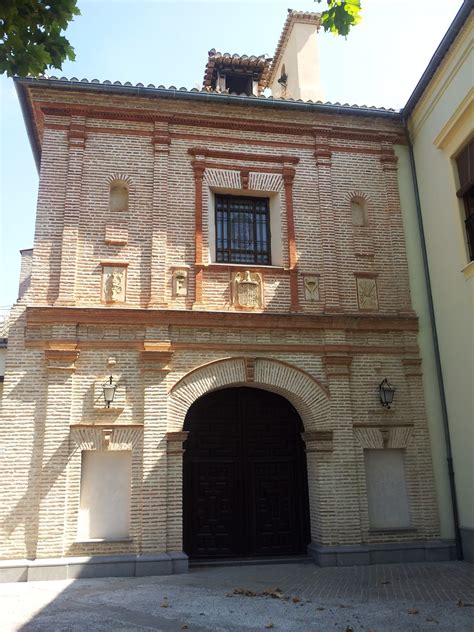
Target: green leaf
[{"x": 31, "y": 39}]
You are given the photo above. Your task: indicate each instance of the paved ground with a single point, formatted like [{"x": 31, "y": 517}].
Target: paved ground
[{"x": 385, "y": 598}]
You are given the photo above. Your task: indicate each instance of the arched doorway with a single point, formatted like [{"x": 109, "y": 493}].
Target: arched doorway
[{"x": 245, "y": 487}]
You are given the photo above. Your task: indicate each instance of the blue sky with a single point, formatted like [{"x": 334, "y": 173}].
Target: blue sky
[{"x": 166, "y": 43}]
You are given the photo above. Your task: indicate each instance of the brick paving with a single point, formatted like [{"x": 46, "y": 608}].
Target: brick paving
[{"x": 385, "y": 598}]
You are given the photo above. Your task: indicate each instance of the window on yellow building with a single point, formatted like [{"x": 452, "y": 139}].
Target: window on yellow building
[
  {"x": 243, "y": 230},
  {"x": 465, "y": 164}
]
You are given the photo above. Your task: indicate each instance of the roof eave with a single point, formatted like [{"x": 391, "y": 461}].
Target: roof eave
[
  {"x": 22, "y": 83},
  {"x": 28, "y": 118}
]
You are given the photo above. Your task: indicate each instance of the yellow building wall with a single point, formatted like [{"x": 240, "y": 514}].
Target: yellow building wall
[
  {"x": 440, "y": 126},
  {"x": 419, "y": 296}
]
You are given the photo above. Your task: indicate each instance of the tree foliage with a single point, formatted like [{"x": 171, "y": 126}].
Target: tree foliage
[
  {"x": 341, "y": 15},
  {"x": 30, "y": 35}
]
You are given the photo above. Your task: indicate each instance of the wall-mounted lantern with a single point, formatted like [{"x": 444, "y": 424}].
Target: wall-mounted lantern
[
  {"x": 109, "y": 392},
  {"x": 386, "y": 392}
]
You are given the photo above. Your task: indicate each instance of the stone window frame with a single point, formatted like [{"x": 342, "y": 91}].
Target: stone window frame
[
  {"x": 95, "y": 437},
  {"x": 275, "y": 224},
  {"x": 464, "y": 167}
]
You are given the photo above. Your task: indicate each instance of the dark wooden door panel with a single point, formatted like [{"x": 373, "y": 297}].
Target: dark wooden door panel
[
  {"x": 275, "y": 508},
  {"x": 245, "y": 488},
  {"x": 213, "y": 508}
]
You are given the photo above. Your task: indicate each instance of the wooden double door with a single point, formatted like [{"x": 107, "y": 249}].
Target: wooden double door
[{"x": 244, "y": 480}]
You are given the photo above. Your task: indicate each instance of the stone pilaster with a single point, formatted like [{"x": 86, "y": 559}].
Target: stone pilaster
[
  {"x": 72, "y": 212},
  {"x": 322, "y": 155},
  {"x": 158, "y": 272}
]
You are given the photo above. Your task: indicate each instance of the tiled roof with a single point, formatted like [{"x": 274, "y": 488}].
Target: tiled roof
[
  {"x": 215, "y": 58},
  {"x": 151, "y": 89},
  {"x": 291, "y": 18}
]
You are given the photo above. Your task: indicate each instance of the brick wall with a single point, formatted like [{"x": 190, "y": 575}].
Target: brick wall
[{"x": 327, "y": 357}]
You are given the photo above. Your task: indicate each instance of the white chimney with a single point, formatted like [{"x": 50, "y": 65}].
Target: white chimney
[{"x": 295, "y": 68}]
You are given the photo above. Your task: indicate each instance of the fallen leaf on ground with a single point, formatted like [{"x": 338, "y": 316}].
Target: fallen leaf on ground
[
  {"x": 269, "y": 625},
  {"x": 296, "y": 600},
  {"x": 274, "y": 593},
  {"x": 413, "y": 611}
]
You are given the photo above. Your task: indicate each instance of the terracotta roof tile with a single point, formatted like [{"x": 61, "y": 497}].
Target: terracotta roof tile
[{"x": 260, "y": 63}]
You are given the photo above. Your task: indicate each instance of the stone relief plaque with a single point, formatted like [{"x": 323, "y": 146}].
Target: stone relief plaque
[
  {"x": 247, "y": 290},
  {"x": 311, "y": 288},
  {"x": 114, "y": 280},
  {"x": 367, "y": 293},
  {"x": 180, "y": 283}
]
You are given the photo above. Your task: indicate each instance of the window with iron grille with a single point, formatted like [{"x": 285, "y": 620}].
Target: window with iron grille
[{"x": 243, "y": 230}]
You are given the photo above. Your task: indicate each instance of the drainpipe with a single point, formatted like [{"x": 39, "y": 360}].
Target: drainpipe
[{"x": 439, "y": 370}]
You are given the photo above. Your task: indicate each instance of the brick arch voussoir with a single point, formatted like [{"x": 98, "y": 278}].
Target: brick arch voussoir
[
  {"x": 308, "y": 396},
  {"x": 119, "y": 177},
  {"x": 357, "y": 195}
]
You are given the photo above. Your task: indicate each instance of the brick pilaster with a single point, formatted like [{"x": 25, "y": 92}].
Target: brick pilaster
[
  {"x": 158, "y": 276},
  {"x": 399, "y": 262},
  {"x": 322, "y": 155},
  {"x": 319, "y": 448},
  {"x": 72, "y": 212},
  {"x": 175, "y": 453},
  {"x": 198, "y": 169},
  {"x": 344, "y": 472},
  {"x": 155, "y": 360},
  {"x": 52, "y": 441},
  {"x": 288, "y": 178}
]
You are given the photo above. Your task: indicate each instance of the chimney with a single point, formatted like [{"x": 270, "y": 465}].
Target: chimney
[{"x": 294, "y": 72}]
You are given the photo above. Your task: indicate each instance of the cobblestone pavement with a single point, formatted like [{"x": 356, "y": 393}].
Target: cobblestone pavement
[{"x": 383, "y": 598}]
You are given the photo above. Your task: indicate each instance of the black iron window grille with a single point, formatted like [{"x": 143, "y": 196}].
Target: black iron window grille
[{"x": 242, "y": 230}]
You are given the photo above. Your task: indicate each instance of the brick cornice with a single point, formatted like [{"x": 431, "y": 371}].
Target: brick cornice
[
  {"x": 194, "y": 318},
  {"x": 242, "y": 156},
  {"x": 41, "y": 108}
]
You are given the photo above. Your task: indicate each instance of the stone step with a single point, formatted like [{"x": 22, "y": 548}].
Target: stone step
[{"x": 249, "y": 561}]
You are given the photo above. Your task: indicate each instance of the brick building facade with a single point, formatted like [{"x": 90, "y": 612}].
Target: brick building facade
[{"x": 137, "y": 277}]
